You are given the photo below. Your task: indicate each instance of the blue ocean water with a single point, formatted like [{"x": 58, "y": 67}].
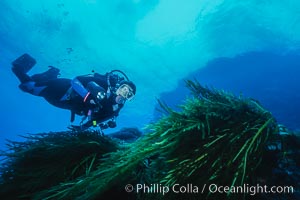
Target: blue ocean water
[
  {"x": 250, "y": 47},
  {"x": 274, "y": 82}
]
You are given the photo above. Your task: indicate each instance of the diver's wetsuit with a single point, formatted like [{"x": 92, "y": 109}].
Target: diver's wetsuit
[
  {"x": 52, "y": 89},
  {"x": 66, "y": 93}
]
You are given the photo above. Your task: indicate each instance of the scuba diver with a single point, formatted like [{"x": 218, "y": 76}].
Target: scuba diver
[{"x": 98, "y": 98}]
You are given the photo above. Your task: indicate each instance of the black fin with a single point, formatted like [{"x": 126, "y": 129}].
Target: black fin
[
  {"x": 24, "y": 63},
  {"x": 21, "y": 66}
]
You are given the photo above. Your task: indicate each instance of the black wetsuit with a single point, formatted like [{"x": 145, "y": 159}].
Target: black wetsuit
[{"x": 60, "y": 93}]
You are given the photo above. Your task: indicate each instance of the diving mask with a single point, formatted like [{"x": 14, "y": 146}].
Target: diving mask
[{"x": 125, "y": 91}]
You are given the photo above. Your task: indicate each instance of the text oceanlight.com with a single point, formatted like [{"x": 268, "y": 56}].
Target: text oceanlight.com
[{"x": 212, "y": 188}]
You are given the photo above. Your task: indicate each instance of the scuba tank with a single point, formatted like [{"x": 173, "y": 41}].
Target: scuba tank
[{"x": 96, "y": 91}]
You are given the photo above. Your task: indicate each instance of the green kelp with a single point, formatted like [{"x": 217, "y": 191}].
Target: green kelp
[
  {"x": 216, "y": 138},
  {"x": 48, "y": 159}
]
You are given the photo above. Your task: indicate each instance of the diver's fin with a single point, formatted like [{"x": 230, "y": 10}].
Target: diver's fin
[{"x": 23, "y": 64}]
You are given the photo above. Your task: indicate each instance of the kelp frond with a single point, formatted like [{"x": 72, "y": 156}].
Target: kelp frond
[{"x": 47, "y": 159}]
